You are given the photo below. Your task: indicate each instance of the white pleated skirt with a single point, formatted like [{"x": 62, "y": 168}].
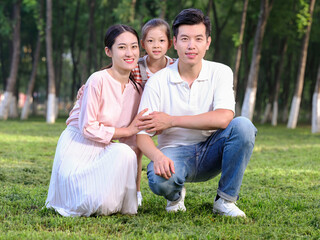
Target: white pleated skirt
[{"x": 90, "y": 178}]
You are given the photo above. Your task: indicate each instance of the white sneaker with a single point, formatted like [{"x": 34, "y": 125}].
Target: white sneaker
[
  {"x": 178, "y": 205},
  {"x": 224, "y": 207},
  {"x": 139, "y": 196}
]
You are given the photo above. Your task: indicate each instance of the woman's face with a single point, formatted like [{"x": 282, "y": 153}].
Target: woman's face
[{"x": 124, "y": 52}]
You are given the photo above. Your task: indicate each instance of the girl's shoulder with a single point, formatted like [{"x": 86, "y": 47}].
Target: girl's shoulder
[{"x": 170, "y": 60}]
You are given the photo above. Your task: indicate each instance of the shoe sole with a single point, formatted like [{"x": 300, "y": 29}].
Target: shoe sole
[{"x": 223, "y": 214}]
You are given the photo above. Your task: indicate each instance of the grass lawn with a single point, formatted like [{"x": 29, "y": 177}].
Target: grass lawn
[{"x": 280, "y": 193}]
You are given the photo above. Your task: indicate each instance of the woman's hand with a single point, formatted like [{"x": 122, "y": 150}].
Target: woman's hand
[{"x": 133, "y": 127}]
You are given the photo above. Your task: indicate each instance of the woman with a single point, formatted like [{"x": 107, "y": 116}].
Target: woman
[{"x": 91, "y": 173}]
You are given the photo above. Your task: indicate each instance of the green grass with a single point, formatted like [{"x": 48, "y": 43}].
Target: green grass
[{"x": 280, "y": 193}]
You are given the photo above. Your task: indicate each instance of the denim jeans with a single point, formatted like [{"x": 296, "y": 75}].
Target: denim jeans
[{"x": 226, "y": 151}]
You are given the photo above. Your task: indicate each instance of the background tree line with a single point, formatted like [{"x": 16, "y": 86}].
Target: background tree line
[{"x": 49, "y": 48}]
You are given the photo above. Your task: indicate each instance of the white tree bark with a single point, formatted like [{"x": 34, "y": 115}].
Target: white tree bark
[
  {"x": 250, "y": 96},
  {"x": 51, "y": 85},
  {"x": 26, "y": 107},
  {"x": 294, "y": 112},
  {"x": 249, "y": 103},
  {"x": 295, "y": 105},
  {"x": 13, "y": 107},
  {"x": 315, "y": 113},
  {"x": 315, "y": 128},
  {"x": 51, "y": 109},
  {"x": 274, "y": 121},
  {"x": 4, "y": 105},
  {"x": 11, "y": 81},
  {"x": 266, "y": 114}
]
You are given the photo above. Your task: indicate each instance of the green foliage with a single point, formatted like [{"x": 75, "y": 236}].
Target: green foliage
[
  {"x": 280, "y": 193},
  {"x": 5, "y": 25},
  {"x": 236, "y": 39},
  {"x": 288, "y": 18},
  {"x": 302, "y": 17}
]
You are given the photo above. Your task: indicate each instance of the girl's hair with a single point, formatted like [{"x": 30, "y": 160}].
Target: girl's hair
[
  {"x": 156, "y": 22},
  {"x": 112, "y": 33}
]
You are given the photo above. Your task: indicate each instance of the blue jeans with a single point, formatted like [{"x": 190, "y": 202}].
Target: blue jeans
[{"x": 227, "y": 151}]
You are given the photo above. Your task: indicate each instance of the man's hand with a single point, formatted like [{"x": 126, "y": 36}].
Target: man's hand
[
  {"x": 155, "y": 122},
  {"x": 163, "y": 167}
]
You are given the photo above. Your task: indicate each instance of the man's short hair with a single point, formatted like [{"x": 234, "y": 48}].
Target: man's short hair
[{"x": 191, "y": 16}]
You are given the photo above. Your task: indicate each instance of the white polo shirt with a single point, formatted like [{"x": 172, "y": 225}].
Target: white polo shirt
[{"x": 166, "y": 92}]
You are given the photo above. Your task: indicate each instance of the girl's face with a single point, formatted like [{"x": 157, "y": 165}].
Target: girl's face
[
  {"x": 156, "y": 42},
  {"x": 124, "y": 52}
]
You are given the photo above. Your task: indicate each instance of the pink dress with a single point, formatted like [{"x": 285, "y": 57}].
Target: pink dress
[{"x": 92, "y": 174}]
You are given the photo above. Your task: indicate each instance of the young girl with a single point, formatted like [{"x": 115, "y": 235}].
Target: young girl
[
  {"x": 156, "y": 41},
  {"x": 91, "y": 174}
]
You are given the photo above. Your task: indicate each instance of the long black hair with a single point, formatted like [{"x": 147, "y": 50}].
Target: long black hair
[{"x": 112, "y": 33}]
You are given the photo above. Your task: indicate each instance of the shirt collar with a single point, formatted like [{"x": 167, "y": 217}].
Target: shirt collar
[{"x": 203, "y": 76}]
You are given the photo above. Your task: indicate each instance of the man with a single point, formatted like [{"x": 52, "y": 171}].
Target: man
[{"x": 192, "y": 103}]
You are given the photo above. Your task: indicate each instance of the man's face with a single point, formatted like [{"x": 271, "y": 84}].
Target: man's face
[{"x": 191, "y": 43}]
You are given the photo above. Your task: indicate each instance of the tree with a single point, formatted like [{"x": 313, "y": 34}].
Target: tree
[
  {"x": 295, "y": 105},
  {"x": 26, "y": 107},
  {"x": 51, "y": 81},
  {"x": 315, "y": 128},
  {"x": 284, "y": 47},
  {"x": 219, "y": 27},
  {"x": 251, "y": 90},
  {"x": 91, "y": 46},
  {"x": 239, "y": 49},
  {"x": 11, "y": 81}
]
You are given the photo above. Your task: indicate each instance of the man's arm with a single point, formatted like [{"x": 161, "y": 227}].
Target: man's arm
[
  {"x": 163, "y": 166},
  {"x": 158, "y": 121}
]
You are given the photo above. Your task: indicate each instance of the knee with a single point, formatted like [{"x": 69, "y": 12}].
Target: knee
[
  {"x": 124, "y": 150},
  {"x": 244, "y": 129},
  {"x": 159, "y": 185}
]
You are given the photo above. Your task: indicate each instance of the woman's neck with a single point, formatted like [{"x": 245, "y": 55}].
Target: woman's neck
[
  {"x": 155, "y": 65},
  {"x": 120, "y": 76}
]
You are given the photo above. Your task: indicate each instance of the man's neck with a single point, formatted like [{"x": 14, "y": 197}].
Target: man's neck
[{"x": 189, "y": 73}]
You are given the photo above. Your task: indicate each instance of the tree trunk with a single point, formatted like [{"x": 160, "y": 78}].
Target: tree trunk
[
  {"x": 91, "y": 46},
  {"x": 3, "y": 63},
  {"x": 284, "y": 47},
  {"x": 11, "y": 81},
  {"x": 251, "y": 90},
  {"x": 73, "y": 51},
  {"x": 239, "y": 50},
  {"x": 32, "y": 80},
  {"x": 219, "y": 28},
  {"x": 316, "y": 106},
  {"x": 163, "y": 7},
  {"x": 295, "y": 105},
  {"x": 132, "y": 11},
  {"x": 50, "y": 68}
]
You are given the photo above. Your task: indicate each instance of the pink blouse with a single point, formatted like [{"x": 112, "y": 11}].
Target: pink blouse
[{"x": 103, "y": 107}]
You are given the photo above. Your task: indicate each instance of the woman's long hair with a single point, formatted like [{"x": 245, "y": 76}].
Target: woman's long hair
[{"x": 112, "y": 33}]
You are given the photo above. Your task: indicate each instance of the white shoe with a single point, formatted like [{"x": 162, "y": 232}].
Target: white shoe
[
  {"x": 178, "y": 205},
  {"x": 224, "y": 207},
  {"x": 139, "y": 197}
]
